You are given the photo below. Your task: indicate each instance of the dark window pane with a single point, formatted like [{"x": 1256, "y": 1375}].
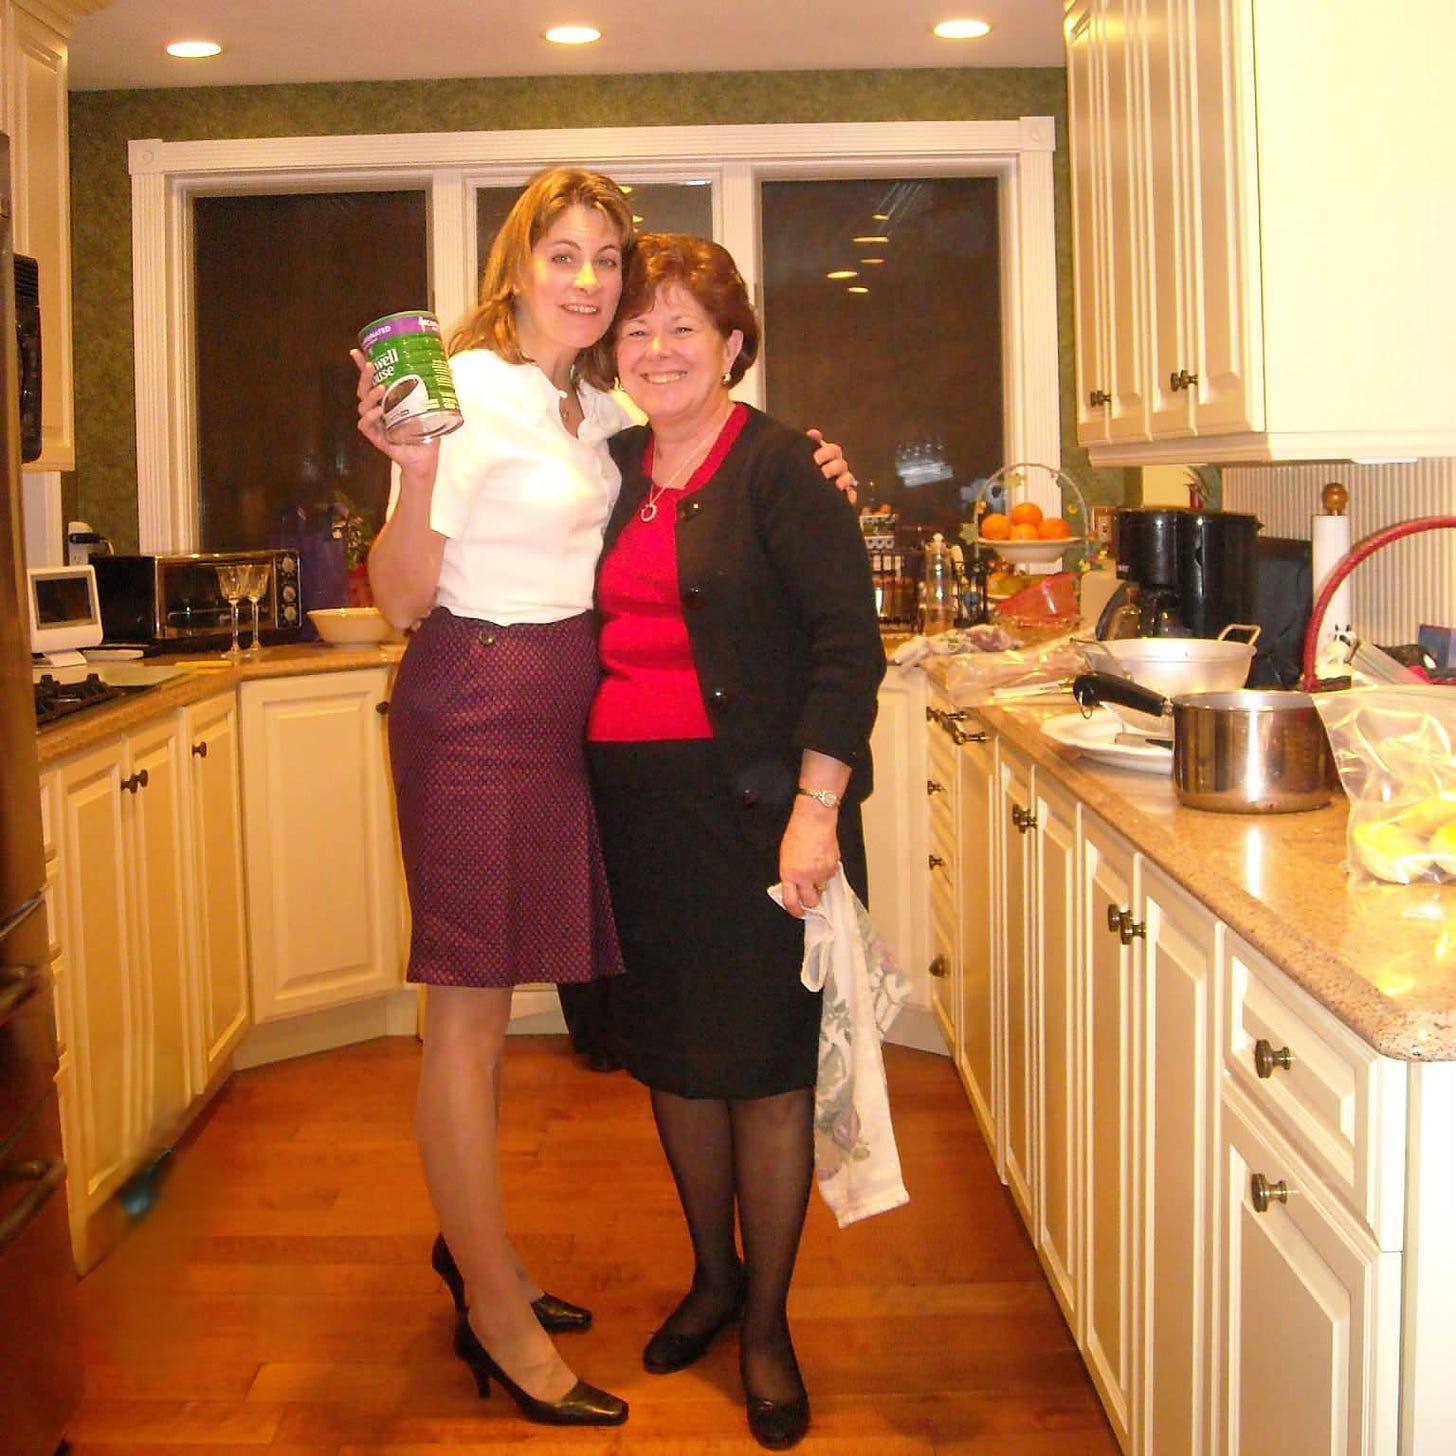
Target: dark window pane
[
  {"x": 284, "y": 284},
  {"x": 906, "y": 374}
]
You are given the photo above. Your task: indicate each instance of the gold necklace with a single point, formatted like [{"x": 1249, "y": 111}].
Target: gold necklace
[{"x": 648, "y": 513}]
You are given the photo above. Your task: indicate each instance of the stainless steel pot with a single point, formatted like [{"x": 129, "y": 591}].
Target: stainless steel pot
[{"x": 1247, "y": 751}]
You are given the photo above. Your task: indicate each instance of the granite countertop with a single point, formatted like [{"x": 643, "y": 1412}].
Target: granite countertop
[
  {"x": 1382, "y": 961},
  {"x": 207, "y": 675}
]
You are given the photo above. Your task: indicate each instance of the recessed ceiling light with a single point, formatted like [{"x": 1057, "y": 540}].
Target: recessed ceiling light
[
  {"x": 871, "y": 262},
  {"x": 842, "y": 273},
  {"x": 573, "y": 34},
  {"x": 856, "y": 288},
  {"x": 869, "y": 238},
  {"x": 962, "y": 29},
  {"x": 194, "y": 49},
  {"x": 880, "y": 216}
]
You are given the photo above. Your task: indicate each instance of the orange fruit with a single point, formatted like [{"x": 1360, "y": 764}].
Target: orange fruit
[
  {"x": 1024, "y": 531},
  {"x": 1053, "y": 528},
  {"x": 1026, "y": 513},
  {"x": 995, "y": 526}
]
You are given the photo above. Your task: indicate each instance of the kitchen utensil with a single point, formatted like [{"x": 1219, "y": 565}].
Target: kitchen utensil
[
  {"x": 1173, "y": 665},
  {"x": 1245, "y": 751}
]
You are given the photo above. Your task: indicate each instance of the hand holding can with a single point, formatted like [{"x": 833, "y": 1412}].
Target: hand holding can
[{"x": 408, "y": 355}]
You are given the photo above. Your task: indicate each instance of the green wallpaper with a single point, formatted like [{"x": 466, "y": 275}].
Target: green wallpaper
[{"x": 103, "y": 488}]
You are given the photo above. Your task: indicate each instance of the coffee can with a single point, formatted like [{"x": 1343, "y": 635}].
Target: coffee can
[{"x": 408, "y": 355}]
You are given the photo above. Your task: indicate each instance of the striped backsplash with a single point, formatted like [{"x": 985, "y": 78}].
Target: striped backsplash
[{"x": 1402, "y": 585}]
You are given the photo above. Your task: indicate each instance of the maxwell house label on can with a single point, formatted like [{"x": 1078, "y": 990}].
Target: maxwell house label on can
[{"x": 409, "y": 360}]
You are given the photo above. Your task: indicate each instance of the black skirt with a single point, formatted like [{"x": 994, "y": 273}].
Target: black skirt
[
  {"x": 499, "y": 840},
  {"x": 712, "y": 1004}
]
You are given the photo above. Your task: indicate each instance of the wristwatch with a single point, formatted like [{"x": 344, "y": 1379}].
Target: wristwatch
[{"x": 827, "y": 797}]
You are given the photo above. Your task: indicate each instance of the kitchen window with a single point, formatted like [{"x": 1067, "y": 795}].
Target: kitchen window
[{"x": 722, "y": 175}]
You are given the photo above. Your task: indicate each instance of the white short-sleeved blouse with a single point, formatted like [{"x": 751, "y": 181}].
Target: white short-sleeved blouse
[{"x": 521, "y": 502}]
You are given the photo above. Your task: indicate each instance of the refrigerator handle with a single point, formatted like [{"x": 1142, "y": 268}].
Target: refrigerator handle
[
  {"x": 17, "y": 985},
  {"x": 47, "y": 1174},
  {"x": 10, "y": 921}
]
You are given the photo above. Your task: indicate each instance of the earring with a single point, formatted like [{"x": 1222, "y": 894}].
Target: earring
[{"x": 727, "y": 377}]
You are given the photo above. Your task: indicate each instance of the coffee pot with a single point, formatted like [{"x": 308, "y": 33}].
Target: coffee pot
[{"x": 1184, "y": 572}]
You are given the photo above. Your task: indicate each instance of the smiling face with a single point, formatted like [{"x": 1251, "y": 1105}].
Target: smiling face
[
  {"x": 568, "y": 294},
  {"x": 671, "y": 360}
]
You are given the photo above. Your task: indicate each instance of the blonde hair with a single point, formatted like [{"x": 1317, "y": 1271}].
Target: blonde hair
[{"x": 492, "y": 323}]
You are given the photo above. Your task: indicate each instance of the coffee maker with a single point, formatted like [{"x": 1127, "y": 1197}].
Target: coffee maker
[{"x": 1185, "y": 572}]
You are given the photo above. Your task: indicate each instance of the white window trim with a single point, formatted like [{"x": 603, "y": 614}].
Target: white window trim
[{"x": 166, "y": 176}]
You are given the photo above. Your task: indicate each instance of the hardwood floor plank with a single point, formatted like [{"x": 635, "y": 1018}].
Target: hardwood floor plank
[{"x": 278, "y": 1296}]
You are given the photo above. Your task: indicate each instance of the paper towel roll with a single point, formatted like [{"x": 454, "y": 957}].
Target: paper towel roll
[{"x": 1329, "y": 544}]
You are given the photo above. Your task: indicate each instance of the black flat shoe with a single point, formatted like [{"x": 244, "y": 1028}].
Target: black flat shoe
[
  {"x": 582, "y": 1405},
  {"x": 665, "y": 1353},
  {"x": 552, "y": 1314},
  {"x": 778, "y": 1424}
]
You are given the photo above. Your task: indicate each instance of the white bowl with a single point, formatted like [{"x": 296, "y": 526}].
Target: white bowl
[
  {"x": 352, "y": 626},
  {"x": 1032, "y": 553}
]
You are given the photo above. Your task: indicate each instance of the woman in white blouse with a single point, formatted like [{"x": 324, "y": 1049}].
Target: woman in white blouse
[{"x": 491, "y": 546}]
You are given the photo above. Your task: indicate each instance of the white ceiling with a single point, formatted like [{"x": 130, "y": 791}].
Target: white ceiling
[{"x": 268, "y": 41}]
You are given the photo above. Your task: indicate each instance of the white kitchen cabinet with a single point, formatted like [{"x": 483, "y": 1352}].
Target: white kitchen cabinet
[
  {"x": 322, "y": 873},
  {"x": 1112, "y": 1227},
  {"x": 1242, "y": 296},
  {"x": 981, "y": 982},
  {"x": 1310, "y": 1324},
  {"x": 897, "y": 847},
  {"x": 219, "y": 929},
  {"x": 943, "y": 861},
  {"x": 1016, "y": 813},
  {"x": 1057, "y": 1100},
  {"x": 1177, "y": 943},
  {"x": 122, "y": 848},
  {"x": 35, "y": 111}
]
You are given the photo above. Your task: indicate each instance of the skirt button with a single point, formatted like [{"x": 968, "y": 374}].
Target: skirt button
[{"x": 487, "y": 639}]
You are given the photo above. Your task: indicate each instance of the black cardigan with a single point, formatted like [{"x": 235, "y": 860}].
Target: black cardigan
[{"x": 780, "y": 612}]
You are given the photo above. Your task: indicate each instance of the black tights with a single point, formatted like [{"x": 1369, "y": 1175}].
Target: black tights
[{"x": 758, "y": 1153}]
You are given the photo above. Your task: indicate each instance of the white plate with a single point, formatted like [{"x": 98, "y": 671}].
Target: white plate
[
  {"x": 1032, "y": 553},
  {"x": 1097, "y": 738}
]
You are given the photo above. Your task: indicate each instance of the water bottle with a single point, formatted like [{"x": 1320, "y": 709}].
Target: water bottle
[{"x": 937, "y": 589}]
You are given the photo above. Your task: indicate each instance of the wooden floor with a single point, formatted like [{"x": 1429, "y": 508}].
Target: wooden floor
[{"x": 278, "y": 1298}]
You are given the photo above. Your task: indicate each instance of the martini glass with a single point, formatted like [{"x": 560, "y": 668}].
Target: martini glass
[
  {"x": 255, "y": 588},
  {"x": 231, "y": 581}
]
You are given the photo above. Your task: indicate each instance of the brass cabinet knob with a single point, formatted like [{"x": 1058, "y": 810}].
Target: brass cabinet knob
[
  {"x": 136, "y": 781},
  {"x": 199, "y": 750},
  {"x": 940, "y": 967},
  {"x": 382, "y": 708},
  {"x": 1263, "y": 1192},
  {"x": 936, "y": 862},
  {"x": 931, "y": 787},
  {"x": 1097, "y": 398},
  {"x": 1131, "y": 929},
  {"x": 1114, "y": 917},
  {"x": 1023, "y": 819},
  {"x": 1268, "y": 1058}
]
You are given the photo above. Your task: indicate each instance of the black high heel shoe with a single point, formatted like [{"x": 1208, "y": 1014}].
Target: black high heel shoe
[
  {"x": 552, "y": 1314},
  {"x": 582, "y": 1405},
  {"x": 665, "y": 1353},
  {"x": 776, "y": 1424}
]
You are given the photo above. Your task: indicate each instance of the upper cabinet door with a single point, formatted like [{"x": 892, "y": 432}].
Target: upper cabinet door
[{"x": 1288, "y": 293}]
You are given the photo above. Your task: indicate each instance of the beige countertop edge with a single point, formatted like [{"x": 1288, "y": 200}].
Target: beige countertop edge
[
  {"x": 1383, "y": 961},
  {"x": 209, "y": 676}
]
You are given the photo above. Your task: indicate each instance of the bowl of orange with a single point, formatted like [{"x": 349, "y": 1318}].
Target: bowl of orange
[{"x": 1025, "y": 535}]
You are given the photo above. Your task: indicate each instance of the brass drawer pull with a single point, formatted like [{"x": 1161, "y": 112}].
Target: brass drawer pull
[
  {"x": 1263, "y": 1192},
  {"x": 940, "y": 967},
  {"x": 1268, "y": 1059}
]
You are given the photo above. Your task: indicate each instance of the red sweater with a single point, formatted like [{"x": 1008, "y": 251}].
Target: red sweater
[{"x": 649, "y": 689}]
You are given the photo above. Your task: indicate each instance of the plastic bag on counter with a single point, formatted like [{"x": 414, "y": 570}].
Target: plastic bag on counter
[
  {"x": 1021, "y": 672},
  {"x": 1395, "y": 750}
]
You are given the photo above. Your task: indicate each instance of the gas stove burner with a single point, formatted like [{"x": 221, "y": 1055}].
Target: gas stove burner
[{"x": 56, "y": 699}]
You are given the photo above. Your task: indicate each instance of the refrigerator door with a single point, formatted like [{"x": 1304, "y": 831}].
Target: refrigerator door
[{"x": 40, "y": 1366}]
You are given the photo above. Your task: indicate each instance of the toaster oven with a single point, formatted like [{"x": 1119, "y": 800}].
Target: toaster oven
[{"x": 174, "y": 601}]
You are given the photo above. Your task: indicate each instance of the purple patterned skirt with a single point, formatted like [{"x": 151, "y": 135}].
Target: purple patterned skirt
[{"x": 500, "y": 847}]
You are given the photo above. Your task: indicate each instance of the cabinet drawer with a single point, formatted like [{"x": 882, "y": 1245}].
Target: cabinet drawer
[{"x": 1341, "y": 1105}]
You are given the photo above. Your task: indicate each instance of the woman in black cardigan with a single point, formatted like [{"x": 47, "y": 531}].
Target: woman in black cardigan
[{"x": 729, "y": 751}]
